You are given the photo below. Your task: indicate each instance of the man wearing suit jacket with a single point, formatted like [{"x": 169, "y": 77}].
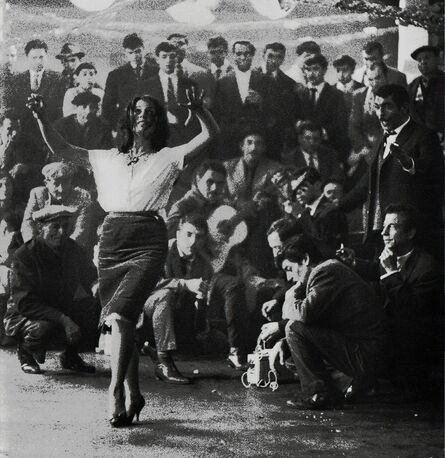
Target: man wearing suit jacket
[
  {"x": 319, "y": 218},
  {"x": 217, "y": 50},
  {"x": 364, "y": 126},
  {"x": 127, "y": 81},
  {"x": 407, "y": 165},
  {"x": 282, "y": 100},
  {"x": 373, "y": 53},
  {"x": 171, "y": 89},
  {"x": 345, "y": 66},
  {"x": 36, "y": 80},
  {"x": 330, "y": 317},
  {"x": 325, "y": 105},
  {"x": 411, "y": 284},
  {"x": 427, "y": 91},
  {"x": 310, "y": 152},
  {"x": 186, "y": 275},
  {"x": 240, "y": 96}
]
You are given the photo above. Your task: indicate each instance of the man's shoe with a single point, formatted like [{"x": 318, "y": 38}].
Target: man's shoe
[
  {"x": 234, "y": 360},
  {"x": 29, "y": 368},
  {"x": 319, "y": 401},
  {"x": 167, "y": 372},
  {"x": 74, "y": 362},
  {"x": 27, "y": 361},
  {"x": 358, "y": 393}
]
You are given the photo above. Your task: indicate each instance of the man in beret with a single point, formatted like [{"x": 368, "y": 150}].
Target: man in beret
[
  {"x": 85, "y": 128},
  {"x": 426, "y": 92},
  {"x": 51, "y": 292}
]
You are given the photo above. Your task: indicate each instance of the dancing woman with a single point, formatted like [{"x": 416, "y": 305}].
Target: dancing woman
[{"x": 133, "y": 183}]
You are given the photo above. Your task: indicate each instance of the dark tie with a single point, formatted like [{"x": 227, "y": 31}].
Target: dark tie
[
  {"x": 35, "y": 83},
  {"x": 138, "y": 71},
  {"x": 311, "y": 162},
  {"x": 171, "y": 98},
  {"x": 313, "y": 96},
  {"x": 218, "y": 73},
  {"x": 180, "y": 70}
]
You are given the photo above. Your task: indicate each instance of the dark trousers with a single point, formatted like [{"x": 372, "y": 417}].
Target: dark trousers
[
  {"x": 35, "y": 336},
  {"x": 227, "y": 301},
  {"x": 313, "y": 347}
]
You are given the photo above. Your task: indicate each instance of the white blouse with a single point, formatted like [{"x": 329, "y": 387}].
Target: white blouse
[{"x": 143, "y": 186}]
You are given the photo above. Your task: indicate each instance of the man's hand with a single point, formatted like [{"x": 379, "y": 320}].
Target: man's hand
[
  {"x": 388, "y": 260},
  {"x": 269, "y": 330},
  {"x": 72, "y": 331},
  {"x": 268, "y": 308},
  {"x": 404, "y": 158},
  {"x": 18, "y": 169},
  {"x": 254, "y": 98},
  {"x": 196, "y": 286},
  {"x": 36, "y": 105},
  {"x": 346, "y": 255},
  {"x": 277, "y": 352}
]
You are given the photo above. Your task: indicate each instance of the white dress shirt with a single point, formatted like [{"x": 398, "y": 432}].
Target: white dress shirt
[
  {"x": 143, "y": 186},
  {"x": 32, "y": 77},
  {"x": 307, "y": 157},
  {"x": 243, "y": 80},
  {"x": 393, "y": 139},
  {"x": 313, "y": 206},
  {"x": 172, "y": 119}
]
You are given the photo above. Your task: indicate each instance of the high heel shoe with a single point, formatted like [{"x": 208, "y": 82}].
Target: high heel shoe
[
  {"x": 135, "y": 409},
  {"x": 118, "y": 421}
]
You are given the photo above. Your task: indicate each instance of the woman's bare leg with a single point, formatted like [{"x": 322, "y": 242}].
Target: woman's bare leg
[{"x": 122, "y": 348}]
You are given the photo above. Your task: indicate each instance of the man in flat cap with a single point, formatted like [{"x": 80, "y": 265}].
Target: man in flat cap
[
  {"x": 51, "y": 292},
  {"x": 85, "y": 128},
  {"x": 426, "y": 92}
]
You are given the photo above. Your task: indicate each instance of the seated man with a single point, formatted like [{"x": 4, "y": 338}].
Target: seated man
[
  {"x": 186, "y": 276},
  {"x": 206, "y": 194},
  {"x": 59, "y": 190},
  {"x": 51, "y": 291},
  {"x": 310, "y": 151},
  {"x": 320, "y": 219},
  {"x": 330, "y": 316},
  {"x": 227, "y": 289},
  {"x": 411, "y": 282}
]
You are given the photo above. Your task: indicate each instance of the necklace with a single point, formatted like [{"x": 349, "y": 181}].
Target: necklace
[{"x": 133, "y": 157}]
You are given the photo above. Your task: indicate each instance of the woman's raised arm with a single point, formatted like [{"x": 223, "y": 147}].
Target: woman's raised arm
[{"x": 56, "y": 143}]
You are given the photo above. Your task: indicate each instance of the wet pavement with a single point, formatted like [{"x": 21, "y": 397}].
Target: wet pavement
[{"x": 59, "y": 414}]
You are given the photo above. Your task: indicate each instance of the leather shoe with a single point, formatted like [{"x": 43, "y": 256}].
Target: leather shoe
[
  {"x": 167, "y": 372},
  {"x": 74, "y": 362},
  {"x": 29, "y": 368},
  {"x": 234, "y": 360},
  {"x": 319, "y": 401}
]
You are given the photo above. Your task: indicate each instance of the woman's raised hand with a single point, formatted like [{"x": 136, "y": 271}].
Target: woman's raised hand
[{"x": 195, "y": 99}]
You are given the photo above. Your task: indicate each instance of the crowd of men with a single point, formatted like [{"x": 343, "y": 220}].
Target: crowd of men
[{"x": 313, "y": 222}]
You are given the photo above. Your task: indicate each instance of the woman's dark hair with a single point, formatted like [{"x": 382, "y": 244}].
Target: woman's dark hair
[{"x": 160, "y": 135}]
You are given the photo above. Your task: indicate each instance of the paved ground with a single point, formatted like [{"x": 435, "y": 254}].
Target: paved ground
[{"x": 60, "y": 415}]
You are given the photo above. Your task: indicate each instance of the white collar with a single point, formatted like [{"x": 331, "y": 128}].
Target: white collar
[
  {"x": 345, "y": 87},
  {"x": 240, "y": 74},
  {"x": 402, "y": 260},
  {"x": 397, "y": 130},
  {"x": 313, "y": 206},
  {"x": 40, "y": 73},
  {"x": 164, "y": 77},
  {"x": 319, "y": 87}
]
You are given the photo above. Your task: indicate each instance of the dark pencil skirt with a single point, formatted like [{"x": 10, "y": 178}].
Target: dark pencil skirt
[{"x": 132, "y": 252}]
